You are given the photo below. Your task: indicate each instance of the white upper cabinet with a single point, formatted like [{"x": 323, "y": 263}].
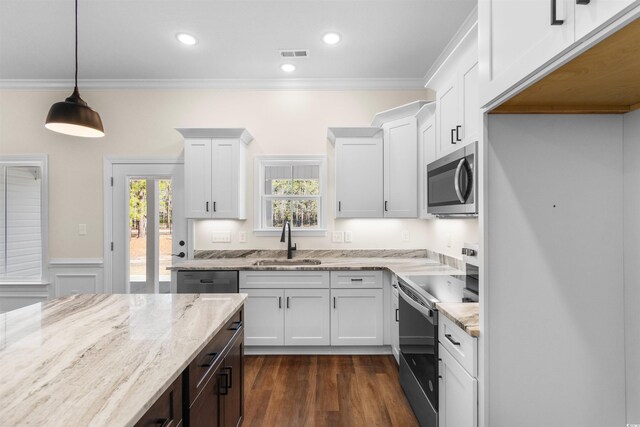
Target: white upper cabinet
[
  {"x": 358, "y": 172},
  {"x": 400, "y": 168},
  {"x": 426, "y": 153},
  {"x": 455, "y": 81},
  {"x": 215, "y": 172},
  {"x": 590, "y": 14},
  {"x": 518, "y": 38}
]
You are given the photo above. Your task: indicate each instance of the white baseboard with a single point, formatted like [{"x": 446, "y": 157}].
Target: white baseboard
[{"x": 311, "y": 350}]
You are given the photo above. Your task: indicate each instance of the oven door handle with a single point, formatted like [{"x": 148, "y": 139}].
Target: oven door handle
[
  {"x": 426, "y": 312},
  {"x": 456, "y": 181}
]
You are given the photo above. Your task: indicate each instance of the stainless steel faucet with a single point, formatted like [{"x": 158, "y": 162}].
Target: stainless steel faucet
[{"x": 290, "y": 248}]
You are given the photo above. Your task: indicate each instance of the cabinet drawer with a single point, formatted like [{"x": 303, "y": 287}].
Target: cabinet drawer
[
  {"x": 462, "y": 346},
  {"x": 203, "y": 366},
  {"x": 167, "y": 410},
  {"x": 284, "y": 279},
  {"x": 356, "y": 279}
]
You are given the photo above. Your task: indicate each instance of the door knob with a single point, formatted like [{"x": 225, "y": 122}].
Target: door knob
[{"x": 180, "y": 255}]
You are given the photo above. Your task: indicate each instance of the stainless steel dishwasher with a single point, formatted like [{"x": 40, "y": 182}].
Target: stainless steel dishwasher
[{"x": 207, "y": 282}]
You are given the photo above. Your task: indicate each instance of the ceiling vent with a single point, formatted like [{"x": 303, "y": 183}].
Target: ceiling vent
[{"x": 298, "y": 53}]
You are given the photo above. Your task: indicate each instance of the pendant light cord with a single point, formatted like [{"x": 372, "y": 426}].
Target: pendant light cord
[{"x": 76, "y": 83}]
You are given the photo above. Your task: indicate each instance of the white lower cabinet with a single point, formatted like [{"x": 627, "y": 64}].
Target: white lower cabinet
[
  {"x": 275, "y": 317},
  {"x": 458, "y": 401},
  {"x": 356, "y": 317},
  {"x": 306, "y": 320}
]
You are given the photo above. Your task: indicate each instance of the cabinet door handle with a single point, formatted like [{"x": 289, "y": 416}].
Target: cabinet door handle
[
  {"x": 224, "y": 385},
  {"x": 279, "y": 302},
  {"x": 287, "y": 302},
  {"x": 334, "y": 302},
  {"x": 557, "y": 16},
  {"x": 458, "y": 133},
  {"x": 452, "y": 140},
  {"x": 385, "y": 206},
  {"x": 397, "y": 312},
  {"x": 339, "y": 206},
  {"x": 583, "y": 1},
  {"x": 230, "y": 368},
  {"x": 207, "y": 206},
  {"x": 454, "y": 342},
  {"x": 214, "y": 206}
]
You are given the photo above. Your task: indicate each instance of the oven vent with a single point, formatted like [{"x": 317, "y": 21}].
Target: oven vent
[{"x": 298, "y": 53}]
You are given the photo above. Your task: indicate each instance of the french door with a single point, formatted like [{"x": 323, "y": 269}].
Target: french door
[{"x": 148, "y": 225}]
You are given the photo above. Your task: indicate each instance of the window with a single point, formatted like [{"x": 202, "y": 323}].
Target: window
[
  {"x": 23, "y": 218},
  {"x": 291, "y": 188}
]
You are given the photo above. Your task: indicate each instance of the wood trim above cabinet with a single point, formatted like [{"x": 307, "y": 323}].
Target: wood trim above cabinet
[{"x": 603, "y": 80}]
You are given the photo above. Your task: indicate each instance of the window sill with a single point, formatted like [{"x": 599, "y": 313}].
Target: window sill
[
  {"x": 316, "y": 232},
  {"x": 32, "y": 283}
]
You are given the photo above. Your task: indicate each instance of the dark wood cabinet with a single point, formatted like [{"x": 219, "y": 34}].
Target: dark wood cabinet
[
  {"x": 214, "y": 381},
  {"x": 167, "y": 410},
  {"x": 210, "y": 391}
]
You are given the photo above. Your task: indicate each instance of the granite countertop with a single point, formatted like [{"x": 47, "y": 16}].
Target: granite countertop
[
  {"x": 101, "y": 360},
  {"x": 463, "y": 314}
]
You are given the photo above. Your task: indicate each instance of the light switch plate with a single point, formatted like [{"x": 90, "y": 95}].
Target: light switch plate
[
  {"x": 348, "y": 236},
  {"x": 221, "y": 237},
  {"x": 337, "y": 237},
  {"x": 242, "y": 237},
  {"x": 405, "y": 236},
  {"x": 82, "y": 229}
]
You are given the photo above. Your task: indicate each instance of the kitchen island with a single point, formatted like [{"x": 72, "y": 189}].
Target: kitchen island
[{"x": 107, "y": 359}]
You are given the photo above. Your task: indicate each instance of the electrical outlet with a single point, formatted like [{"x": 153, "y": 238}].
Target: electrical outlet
[
  {"x": 348, "y": 236},
  {"x": 405, "y": 236},
  {"x": 82, "y": 229},
  {"x": 242, "y": 237},
  {"x": 221, "y": 237},
  {"x": 338, "y": 237}
]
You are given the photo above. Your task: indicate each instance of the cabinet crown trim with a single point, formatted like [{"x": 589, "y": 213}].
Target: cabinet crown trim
[
  {"x": 240, "y": 133},
  {"x": 349, "y": 132},
  {"x": 406, "y": 110}
]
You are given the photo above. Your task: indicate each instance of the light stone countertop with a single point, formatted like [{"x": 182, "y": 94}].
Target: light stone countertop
[
  {"x": 404, "y": 266},
  {"x": 463, "y": 314},
  {"x": 101, "y": 360}
]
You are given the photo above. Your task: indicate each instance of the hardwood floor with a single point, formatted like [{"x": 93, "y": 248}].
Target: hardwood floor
[{"x": 317, "y": 391}]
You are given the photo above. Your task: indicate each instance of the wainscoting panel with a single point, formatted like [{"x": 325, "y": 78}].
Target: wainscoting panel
[{"x": 76, "y": 276}]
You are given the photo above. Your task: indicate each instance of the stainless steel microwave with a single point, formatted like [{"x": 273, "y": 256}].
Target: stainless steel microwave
[{"x": 451, "y": 183}]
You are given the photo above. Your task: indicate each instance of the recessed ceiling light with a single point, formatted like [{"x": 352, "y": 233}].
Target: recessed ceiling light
[
  {"x": 287, "y": 68},
  {"x": 187, "y": 39},
  {"x": 331, "y": 38}
]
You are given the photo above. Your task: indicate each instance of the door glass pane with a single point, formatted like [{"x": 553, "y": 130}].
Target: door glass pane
[
  {"x": 165, "y": 214},
  {"x": 138, "y": 235}
]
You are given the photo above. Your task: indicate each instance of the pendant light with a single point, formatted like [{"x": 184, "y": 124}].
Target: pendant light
[{"x": 73, "y": 116}]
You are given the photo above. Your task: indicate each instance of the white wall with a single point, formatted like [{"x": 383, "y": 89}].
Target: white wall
[
  {"x": 631, "y": 265},
  {"x": 142, "y": 122},
  {"x": 554, "y": 322}
]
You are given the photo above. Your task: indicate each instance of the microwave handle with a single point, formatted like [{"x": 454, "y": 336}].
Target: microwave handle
[{"x": 456, "y": 181}]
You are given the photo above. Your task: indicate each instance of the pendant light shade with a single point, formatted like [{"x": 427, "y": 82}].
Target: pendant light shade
[{"x": 73, "y": 116}]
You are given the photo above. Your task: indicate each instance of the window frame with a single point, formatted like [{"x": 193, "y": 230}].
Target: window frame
[
  {"x": 259, "y": 193},
  {"x": 40, "y": 160}
]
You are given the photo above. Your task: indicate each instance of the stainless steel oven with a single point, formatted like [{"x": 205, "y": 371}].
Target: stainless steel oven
[
  {"x": 418, "y": 325},
  {"x": 451, "y": 183}
]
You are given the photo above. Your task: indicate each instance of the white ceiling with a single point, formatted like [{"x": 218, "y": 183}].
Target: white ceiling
[{"x": 239, "y": 39}]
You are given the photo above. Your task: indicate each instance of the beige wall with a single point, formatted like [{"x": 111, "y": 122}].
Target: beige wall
[{"x": 142, "y": 122}]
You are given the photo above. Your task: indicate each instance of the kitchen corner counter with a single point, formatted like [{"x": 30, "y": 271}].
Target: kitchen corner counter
[
  {"x": 463, "y": 314},
  {"x": 101, "y": 359}
]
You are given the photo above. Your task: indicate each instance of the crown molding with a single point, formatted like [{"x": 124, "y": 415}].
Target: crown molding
[
  {"x": 238, "y": 84},
  {"x": 235, "y": 133},
  {"x": 344, "y": 132}
]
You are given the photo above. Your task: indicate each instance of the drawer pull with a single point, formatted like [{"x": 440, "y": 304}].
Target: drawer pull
[
  {"x": 454, "y": 342},
  {"x": 211, "y": 360},
  {"x": 353, "y": 279},
  {"x": 235, "y": 325}
]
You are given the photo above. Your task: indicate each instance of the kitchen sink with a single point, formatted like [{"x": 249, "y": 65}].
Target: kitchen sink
[{"x": 276, "y": 262}]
